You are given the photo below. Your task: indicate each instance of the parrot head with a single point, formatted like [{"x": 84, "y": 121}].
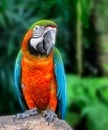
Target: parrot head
[{"x": 42, "y": 39}]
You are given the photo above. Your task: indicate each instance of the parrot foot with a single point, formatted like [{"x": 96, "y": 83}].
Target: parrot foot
[
  {"x": 49, "y": 115},
  {"x": 27, "y": 113}
]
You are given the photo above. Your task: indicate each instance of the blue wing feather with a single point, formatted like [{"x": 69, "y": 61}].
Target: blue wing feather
[
  {"x": 61, "y": 83},
  {"x": 17, "y": 78}
]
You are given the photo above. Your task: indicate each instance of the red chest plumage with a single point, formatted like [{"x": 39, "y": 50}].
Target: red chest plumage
[{"x": 37, "y": 76}]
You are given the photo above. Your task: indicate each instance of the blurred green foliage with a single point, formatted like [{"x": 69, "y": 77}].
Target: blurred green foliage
[
  {"x": 87, "y": 97},
  {"x": 87, "y": 103}
]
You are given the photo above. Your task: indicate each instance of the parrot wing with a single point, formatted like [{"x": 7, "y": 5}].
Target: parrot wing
[
  {"x": 17, "y": 80},
  {"x": 61, "y": 83}
]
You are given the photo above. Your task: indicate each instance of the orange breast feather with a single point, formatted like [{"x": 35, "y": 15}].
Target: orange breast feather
[{"x": 37, "y": 76}]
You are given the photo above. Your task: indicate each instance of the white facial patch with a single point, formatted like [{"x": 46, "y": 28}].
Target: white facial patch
[
  {"x": 34, "y": 41},
  {"x": 38, "y": 31}
]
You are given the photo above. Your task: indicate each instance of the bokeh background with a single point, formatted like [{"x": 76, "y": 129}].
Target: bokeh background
[{"x": 82, "y": 39}]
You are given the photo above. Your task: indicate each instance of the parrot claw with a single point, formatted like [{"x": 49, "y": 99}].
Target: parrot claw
[
  {"x": 27, "y": 113},
  {"x": 49, "y": 115}
]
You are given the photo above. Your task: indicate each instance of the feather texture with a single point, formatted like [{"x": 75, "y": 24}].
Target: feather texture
[
  {"x": 61, "y": 82},
  {"x": 17, "y": 80}
]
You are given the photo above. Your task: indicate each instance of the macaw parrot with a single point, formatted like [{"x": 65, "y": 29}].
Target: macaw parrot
[{"x": 39, "y": 73}]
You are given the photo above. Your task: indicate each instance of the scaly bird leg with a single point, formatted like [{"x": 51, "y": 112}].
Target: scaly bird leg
[
  {"x": 49, "y": 115},
  {"x": 27, "y": 113}
]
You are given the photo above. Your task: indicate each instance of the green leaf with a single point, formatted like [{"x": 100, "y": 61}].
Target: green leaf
[{"x": 2, "y": 21}]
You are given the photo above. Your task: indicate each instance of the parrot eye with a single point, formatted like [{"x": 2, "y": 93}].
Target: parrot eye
[
  {"x": 37, "y": 28},
  {"x": 38, "y": 31}
]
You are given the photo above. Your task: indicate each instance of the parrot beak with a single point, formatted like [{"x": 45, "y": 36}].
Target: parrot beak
[
  {"x": 41, "y": 47},
  {"x": 49, "y": 40}
]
